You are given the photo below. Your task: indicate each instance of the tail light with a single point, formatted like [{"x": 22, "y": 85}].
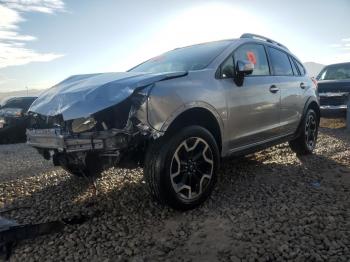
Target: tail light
[{"x": 314, "y": 80}]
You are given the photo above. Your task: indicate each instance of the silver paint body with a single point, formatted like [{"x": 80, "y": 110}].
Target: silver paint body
[{"x": 248, "y": 115}]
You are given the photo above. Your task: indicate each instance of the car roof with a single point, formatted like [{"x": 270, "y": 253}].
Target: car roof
[
  {"x": 247, "y": 37},
  {"x": 244, "y": 37},
  {"x": 338, "y": 64},
  {"x": 229, "y": 41},
  {"x": 270, "y": 43}
]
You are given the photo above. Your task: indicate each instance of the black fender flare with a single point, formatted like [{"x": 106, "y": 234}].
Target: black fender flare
[{"x": 306, "y": 106}]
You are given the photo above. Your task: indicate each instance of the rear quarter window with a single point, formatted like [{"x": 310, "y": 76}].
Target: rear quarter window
[
  {"x": 300, "y": 67},
  {"x": 294, "y": 67}
]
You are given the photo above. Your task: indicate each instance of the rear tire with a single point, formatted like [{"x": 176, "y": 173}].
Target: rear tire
[
  {"x": 305, "y": 143},
  {"x": 181, "y": 169}
]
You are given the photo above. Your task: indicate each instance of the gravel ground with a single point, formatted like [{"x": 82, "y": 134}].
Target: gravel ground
[
  {"x": 19, "y": 161},
  {"x": 269, "y": 206}
]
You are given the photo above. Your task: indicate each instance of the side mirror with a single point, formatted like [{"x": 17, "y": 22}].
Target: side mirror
[{"x": 244, "y": 67}]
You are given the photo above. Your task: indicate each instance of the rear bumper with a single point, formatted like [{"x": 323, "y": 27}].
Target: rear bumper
[
  {"x": 53, "y": 139},
  {"x": 333, "y": 104},
  {"x": 333, "y": 111},
  {"x": 334, "y": 108}
]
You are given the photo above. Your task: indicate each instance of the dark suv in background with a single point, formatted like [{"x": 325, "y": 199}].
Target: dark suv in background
[
  {"x": 334, "y": 89},
  {"x": 179, "y": 113},
  {"x": 13, "y": 119}
]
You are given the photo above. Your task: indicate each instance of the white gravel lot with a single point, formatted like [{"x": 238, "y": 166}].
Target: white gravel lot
[{"x": 270, "y": 206}]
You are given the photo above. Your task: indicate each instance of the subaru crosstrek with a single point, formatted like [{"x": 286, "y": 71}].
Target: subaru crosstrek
[{"x": 179, "y": 114}]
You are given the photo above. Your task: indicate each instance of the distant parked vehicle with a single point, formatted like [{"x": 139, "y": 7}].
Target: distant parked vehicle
[
  {"x": 13, "y": 119},
  {"x": 334, "y": 89}
]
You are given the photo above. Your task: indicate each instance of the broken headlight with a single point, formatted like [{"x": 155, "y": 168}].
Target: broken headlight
[{"x": 83, "y": 124}]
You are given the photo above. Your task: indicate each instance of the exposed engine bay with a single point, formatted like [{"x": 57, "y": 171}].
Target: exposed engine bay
[{"x": 89, "y": 142}]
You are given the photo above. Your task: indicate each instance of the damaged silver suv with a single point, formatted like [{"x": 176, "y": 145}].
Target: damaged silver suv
[{"x": 179, "y": 114}]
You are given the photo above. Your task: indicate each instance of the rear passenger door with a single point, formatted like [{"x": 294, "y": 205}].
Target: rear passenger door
[{"x": 287, "y": 79}]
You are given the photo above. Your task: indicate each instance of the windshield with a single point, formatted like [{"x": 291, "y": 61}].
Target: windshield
[
  {"x": 194, "y": 57},
  {"x": 335, "y": 72}
]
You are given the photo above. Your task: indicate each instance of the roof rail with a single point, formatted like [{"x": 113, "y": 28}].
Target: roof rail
[{"x": 260, "y": 37}]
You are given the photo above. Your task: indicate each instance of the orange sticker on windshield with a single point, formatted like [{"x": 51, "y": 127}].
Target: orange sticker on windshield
[{"x": 251, "y": 57}]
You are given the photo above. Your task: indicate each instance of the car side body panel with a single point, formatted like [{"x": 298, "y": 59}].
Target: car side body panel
[
  {"x": 253, "y": 111},
  {"x": 168, "y": 99},
  {"x": 291, "y": 101},
  {"x": 247, "y": 115}
]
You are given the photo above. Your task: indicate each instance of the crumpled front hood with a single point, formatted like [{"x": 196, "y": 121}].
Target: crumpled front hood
[{"x": 83, "y": 95}]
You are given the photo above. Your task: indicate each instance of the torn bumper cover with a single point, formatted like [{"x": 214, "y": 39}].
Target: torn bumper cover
[{"x": 56, "y": 139}]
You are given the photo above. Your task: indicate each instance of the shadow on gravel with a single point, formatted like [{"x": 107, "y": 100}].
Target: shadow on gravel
[
  {"x": 261, "y": 209},
  {"x": 326, "y": 169},
  {"x": 335, "y": 128},
  {"x": 39, "y": 205},
  {"x": 342, "y": 134}
]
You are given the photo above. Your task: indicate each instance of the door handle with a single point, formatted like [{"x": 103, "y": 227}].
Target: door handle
[
  {"x": 274, "y": 89},
  {"x": 302, "y": 85}
]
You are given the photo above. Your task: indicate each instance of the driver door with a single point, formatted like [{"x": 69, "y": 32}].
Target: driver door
[{"x": 254, "y": 106}]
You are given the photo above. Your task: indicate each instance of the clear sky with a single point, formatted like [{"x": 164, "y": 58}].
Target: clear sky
[{"x": 44, "y": 41}]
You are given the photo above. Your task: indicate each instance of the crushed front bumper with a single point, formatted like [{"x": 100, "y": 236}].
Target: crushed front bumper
[{"x": 55, "y": 139}]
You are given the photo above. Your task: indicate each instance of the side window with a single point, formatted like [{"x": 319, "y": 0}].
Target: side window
[
  {"x": 227, "y": 68},
  {"x": 256, "y": 54},
  {"x": 301, "y": 68},
  {"x": 295, "y": 70},
  {"x": 280, "y": 63}
]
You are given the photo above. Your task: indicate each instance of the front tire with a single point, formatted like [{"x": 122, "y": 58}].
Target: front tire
[
  {"x": 181, "y": 169},
  {"x": 305, "y": 143}
]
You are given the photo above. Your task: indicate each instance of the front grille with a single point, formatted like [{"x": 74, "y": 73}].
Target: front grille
[
  {"x": 333, "y": 100},
  {"x": 46, "y": 122}
]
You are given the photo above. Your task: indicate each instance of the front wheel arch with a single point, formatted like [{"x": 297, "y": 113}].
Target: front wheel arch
[
  {"x": 157, "y": 169},
  {"x": 198, "y": 116}
]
